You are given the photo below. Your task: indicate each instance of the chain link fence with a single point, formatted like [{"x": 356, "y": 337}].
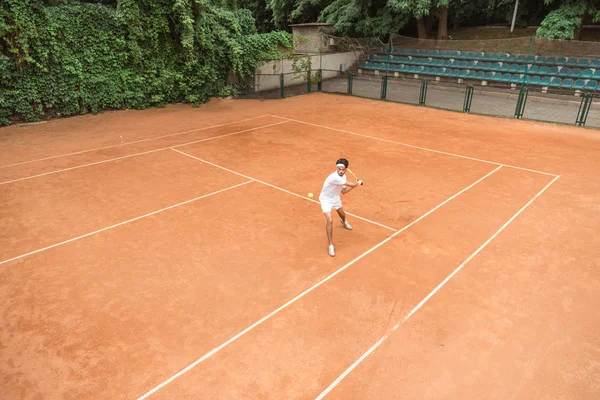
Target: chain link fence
[{"x": 529, "y": 78}]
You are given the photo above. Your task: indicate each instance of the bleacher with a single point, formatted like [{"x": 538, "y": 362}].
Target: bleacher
[{"x": 563, "y": 73}]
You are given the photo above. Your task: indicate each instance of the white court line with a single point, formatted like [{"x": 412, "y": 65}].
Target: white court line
[
  {"x": 415, "y": 147},
  {"x": 278, "y": 188},
  {"x": 124, "y": 222},
  {"x": 418, "y": 306},
  {"x": 139, "y": 154},
  {"x": 136, "y": 141},
  {"x": 263, "y": 319}
]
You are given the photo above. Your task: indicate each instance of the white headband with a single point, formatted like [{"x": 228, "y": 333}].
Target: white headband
[{"x": 341, "y": 165}]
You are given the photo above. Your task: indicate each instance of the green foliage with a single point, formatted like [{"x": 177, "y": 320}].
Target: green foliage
[
  {"x": 563, "y": 22},
  {"x": 355, "y": 18},
  {"x": 66, "y": 57}
]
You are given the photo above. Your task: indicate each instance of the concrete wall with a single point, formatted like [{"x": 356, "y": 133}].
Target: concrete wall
[{"x": 267, "y": 76}]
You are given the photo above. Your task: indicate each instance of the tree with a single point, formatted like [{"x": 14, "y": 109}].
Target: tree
[{"x": 565, "y": 22}]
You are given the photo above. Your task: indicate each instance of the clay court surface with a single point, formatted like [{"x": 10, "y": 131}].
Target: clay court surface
[{"x": 188, "y": 263}]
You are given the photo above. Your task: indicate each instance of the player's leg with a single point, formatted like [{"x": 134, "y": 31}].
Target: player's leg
[
  {"x": 329, "y": 228},
  {"x": 342, "y": 215}
]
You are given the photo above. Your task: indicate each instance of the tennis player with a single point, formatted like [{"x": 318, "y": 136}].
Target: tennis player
[{"x": 335, "y": 184}]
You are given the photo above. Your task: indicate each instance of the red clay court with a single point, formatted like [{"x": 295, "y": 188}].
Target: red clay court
[{"x": 174, "y": 254}]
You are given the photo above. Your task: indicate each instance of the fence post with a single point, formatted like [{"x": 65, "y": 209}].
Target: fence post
[
  {"x": 384, "y": 88},
  {"x": 320, "y": 81},
  {"x": 350, "y": 83},
  {"x": 584, "y": 109},
  {"x": 423, "y": 93},
  {"x": 521, "y": 102},
  {"x": 468, "y": 99},
  {"x": 281, "y": 83}
]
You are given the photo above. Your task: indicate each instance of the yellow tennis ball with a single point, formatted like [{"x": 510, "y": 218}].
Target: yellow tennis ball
[{"x": 310, "y": 195}]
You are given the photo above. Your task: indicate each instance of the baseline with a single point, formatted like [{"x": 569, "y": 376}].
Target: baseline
[
  {"x": 422, "y": 302},
  {"x": 415, "y": 147},
  {"x": 304, "y": 293}
]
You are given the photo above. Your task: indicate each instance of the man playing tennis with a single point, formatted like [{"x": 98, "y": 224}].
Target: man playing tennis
[{"x": 335, "y": 184}]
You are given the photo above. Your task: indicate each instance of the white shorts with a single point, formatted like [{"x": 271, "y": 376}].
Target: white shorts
[{"x": 328, "y": 204}]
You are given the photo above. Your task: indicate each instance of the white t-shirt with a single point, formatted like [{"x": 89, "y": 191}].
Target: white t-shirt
[{"x": 333, "y": 186}]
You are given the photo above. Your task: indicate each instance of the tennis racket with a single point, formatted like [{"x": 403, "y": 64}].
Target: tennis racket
[{"x": 355, "y": 177}]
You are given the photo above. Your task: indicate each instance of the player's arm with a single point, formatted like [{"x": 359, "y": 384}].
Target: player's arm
[{"x": 349, "y": 186}]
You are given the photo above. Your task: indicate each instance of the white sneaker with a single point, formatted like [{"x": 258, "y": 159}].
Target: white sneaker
[
  {"x": 346, "y": 225},
  {"x": 331, "y": 250}
]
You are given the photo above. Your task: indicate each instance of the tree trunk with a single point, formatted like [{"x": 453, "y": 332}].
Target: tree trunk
[
  {"x": 443, "y": 24},
  {"x": 577, "y": 33},
  {"x": 421, "y": 28},
  {"x": 429, "y": 25}
]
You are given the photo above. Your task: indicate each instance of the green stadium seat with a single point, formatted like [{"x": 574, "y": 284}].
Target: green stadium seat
[
  {"x": 522, "y": 69},
  {"x": 553, "y": 71},
  {"x": 572, "y": 62},
  {"x": 535, "y": 80},
  {"x": 480, "y": 75},
  {"x": 591, "y": 85},
  {"x": 583, "y": 62},
  {"x": 575, "y": 72},
  {"x": 447, "y": 72},
  {"x": 504, "y": 67},
  {"x": 586, "y": 74},
  {"x": 546, "y": 81},
  {"x": 561, "y": 61},
  {"x": 564, "y": 71},
  {"x": 439, "y": 62},
  {"x": 544, "y": 70},
  {"x": 596, "y": 75},
  {"x": 462, "y": 64},
  {"x": 550, "y": 61},
  {"x": 513, "y": 68},
  {"x": 489, "y": 76},
  {"x": 521, "y": 59},
  {"x": 435, "y": 53},
  {"x": 556, "y": 82},
  {"x": 495, "y": 66},
  {"x": 530, "y": 59},
  {"x": 472, "y": 75},
  {"x": 579, "y": 84},
  {"x": 505, "y": 77},
  {"x": 482, "y": 65},
  {"x": 540, "y": 60},
  {"x": 594, "y": 63},
  {"x": 463, "y": 73},
  {"x": 418, "y": 70},
  {"x": 470, "y": 64},
  {"x": 512, "y": 58},
  {"x": 455, "y": 73},
  {"x": 478, "y": 56},
  {"x": 567, "y": 83},
  {"x": 503, "y": 57},
  {"x": 515, "y": 78},
  {"x": 533, "y": 70},
  {"x": 448, "y": 63},
  {"x": 454, "y": 54}
]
